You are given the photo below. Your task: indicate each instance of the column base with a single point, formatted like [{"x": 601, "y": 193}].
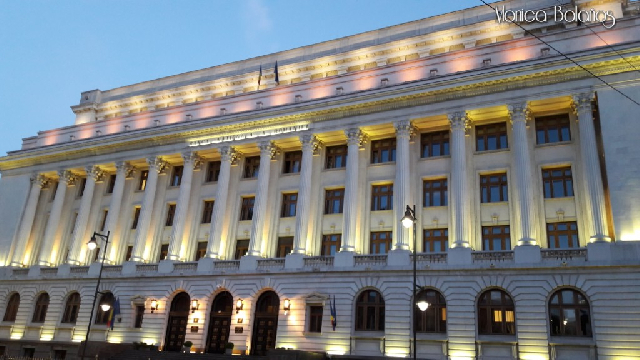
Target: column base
[
  {"x": 294, "y": 261},
  {"x": 44, "y": 263},
  {"x": 399, "y": 257},
  {"x": 459, "y": 256},
  {"x": 173, "y": 257},
  {"x": 16, "y": 264},
  {"x": 527, "y": 241},
  {"x": 527, "y": 254},
  {"x": 599, "y": 239},
  {"x": 343, "y": 259},
  {"x": 206, "y": 264},
  {"x": 249, "y": 262},
  {"x": 599, "y": 251},
  {"x": 136, "y": 259},
  {"x": 165, "y": 266}
]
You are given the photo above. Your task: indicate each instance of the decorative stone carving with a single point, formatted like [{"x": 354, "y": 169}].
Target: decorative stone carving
[
  {"x": 459, "y": 120},
  {"x": 356, "y": 136},
  {"x": 95, "y": 172},
  {"x": 581, "y": 102},
  {"x": 192, "y": 157},
  {"x": 311, "y": 142},
  {"x": 519, "y": 112},
  {"x": 126, "y": 168},
  {"x": 67, "y": 177},
  {"x": 230, "y": 154},
  {"x": 42, "y": 181},
  {"x": 157, "y": 164},
  {"x": 405, "y": 128},
  {"x": 270, "y": 147}
]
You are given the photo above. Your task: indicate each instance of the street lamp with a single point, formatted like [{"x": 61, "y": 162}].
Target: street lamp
[
  {"x": 408, "y": 220},
  {"x": 92, "y": 244}
]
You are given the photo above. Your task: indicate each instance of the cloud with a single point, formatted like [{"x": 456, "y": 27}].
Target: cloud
[{"x": 256, "y": 18}]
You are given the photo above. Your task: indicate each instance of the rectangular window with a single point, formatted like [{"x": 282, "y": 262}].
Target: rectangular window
[
  {"x": 111, "y": 184},
  {"x": 251, "y": 167},
  {"x": 289, "y": 204},
  {"x": 333, "y": 201},
  {"x": 176, "y": 175},
  {"x": 383, "y": 150},
  {"x": 331, "y": 244},
  {"x": 246, "y": 208},
  {"x": 285, "y": 246},
  {"x": 435, "y": 144},
  {"x": 552, "y": 129},
  {"x": 336, "y": 156},
  {"x": 213, "y": 171},
  {"x": 557, "y": 182},
  {"x": 491, "y": 137},
  {"x": 171, "y": 212},
  {"x": 207, "y": 210},
  {"x": 380, "y": 242},
  {"x": 129, "y": 253},
  {"x": 382, "y": 197},
  {"x": 493, "y": 188},
  {"x": 142, "y": 184},
  {"x": 136, "y": 217},
  {"x": 563, "y": 235},
  {"x": 292, "y": 161},
  {"x": 435, "y": 240},
  {"x": 164, "y": 251},
  {"x": 434, "y": 192},
  {"x": 139, "y": 316},
  {"x": 103, "y": 223},
  {"x": 82, "y": 186},
  {"x": 201, "y": 251},
  {"x": 242, "y": 248},
  {"x": 315, "y": 319},
  {"x": 496, "y": 238}
]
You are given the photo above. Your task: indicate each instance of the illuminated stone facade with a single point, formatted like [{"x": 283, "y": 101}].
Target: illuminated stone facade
[{"x": 216, "y": 188}]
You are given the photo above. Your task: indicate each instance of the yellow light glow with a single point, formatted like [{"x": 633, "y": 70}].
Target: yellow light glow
[
  {"x": 397, "y": 353},
  {"x": 336, "y": 350},
  {"x": 16, "y": 336},
  {"x": 630, "y": 235},
  {"x": 114, "y": 340},
  {"x": 526, "y": 356},
  {"x": 46, "y": 337},
  {"x": 149, "y": 341}
]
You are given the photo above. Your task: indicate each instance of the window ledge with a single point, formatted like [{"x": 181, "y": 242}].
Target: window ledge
[
  {"x": 66, "y": 326},
  {"x": 482, "y": 152},
  {"x": 371, "y": 335},
  {"x": 497, "y": 339},
  {"x": 559, "y": 198},
  {"x": 312, "y": 334},
  {"x": 495, "y": 203},
  {"x": 335, "y": 169},
  {"x": 434, "y": 157},
  {"x": 251, "y": 178},
  {"x": 432, "y": 336},
  {"x": 571, "y": 340},
  {"x": 290, "y": 174},
  {"x": 382, "y": 163},
  {"x": 554, "y": 144}
]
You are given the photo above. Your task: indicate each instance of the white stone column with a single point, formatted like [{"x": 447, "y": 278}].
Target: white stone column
[
  {"x": 177, "y": 245},
  {"x": 458, "y": 190},
  {"x": 402, "y": 184},
  {"x": 356, "y": 139},
  {"x": 310, "y": 147},
  {"x": 141, "y": 250},
  {"x": 124, "y": 171},
  {"x": 47, "y": 253},
  {"x": 519, "y": 115},
  {"x": 37, "y": 183},
  {"x": 94, "y": 174},
  {"x": 228, "y": 156},
  {"x": 268, "y": 151},
  {"x": 594, "y": 198}
]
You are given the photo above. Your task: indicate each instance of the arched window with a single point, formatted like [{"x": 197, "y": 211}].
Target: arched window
[
  {"x": 496, "y": 313},
  {"x": 569, "y": 314},
  {"x": 102, "y": 317},
  {"x": 40, "y": 312},
  {"x": 71, "y": 309},
  {"x": 12, "y": 308},
  {"x": 434, "y": 318},
  {"x": 370, "y": 311}
]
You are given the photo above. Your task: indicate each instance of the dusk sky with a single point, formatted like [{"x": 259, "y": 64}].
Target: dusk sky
[{"x": 51, "y": 51}]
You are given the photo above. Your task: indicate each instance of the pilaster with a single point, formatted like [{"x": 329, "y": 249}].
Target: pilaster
[
  {"x": 458, "y": 191},
  {"x": 38, "y": 182},
  {"x": 94, "y": 174},
  {"x": 268, "y": 150},
  {"x": 310, "y": 147},
  {"x": 124, "y": 171},
  {"x": 402, "y": 184},
  {"x": 356, "y": 139},
  {"x": 47, "y": 251}
]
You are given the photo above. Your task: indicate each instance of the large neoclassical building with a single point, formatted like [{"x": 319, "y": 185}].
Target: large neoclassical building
[{"x": 243, "y": 200}]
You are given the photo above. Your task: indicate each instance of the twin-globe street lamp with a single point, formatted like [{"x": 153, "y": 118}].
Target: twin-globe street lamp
[
  {"x": 408, "y": 220},
  {"x": 92, "y": 244}
]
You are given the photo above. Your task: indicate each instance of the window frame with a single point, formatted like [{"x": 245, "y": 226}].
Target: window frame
[
  {"x": 213, "y": 171},
  {"x": 136, "y": 217},
  {"x": 289, "y": 207},
  {"x": 503, "y": 236},
  {"x": 71, "y": 308},
  {"x": 431, "y": 240},
  {"x": 247, "y": 204},
  {"x": 171, "y": 214},
  {"x": 251, "y": 167},
  {"x": 336, "y": 152},
  {"x": 502, "y": 184},
  {"x": 284, "y": 242},
  {"x": 314, "y": 319},
  {"x": 330, "y": 197},
  {"x": 549, "y": 178},
  {"x": 499, "y": 130},
  {"x": 139, "y": 316},
  {"x": 363, "y": 307},
  {"x": 142, "y": 181},
  {"x": 378, "y": 147},
  {"x": 111, "y": 183},
  {"x": 163, "y": 254},
  {"x": 11, "y": 309},
  {"x": 176, "y": 176},
  {"x": 443, "y": 191},
  {"x": 543, "y": 123},
  {"x": 40, "y": 309},
  {"x": 440, "y": 139},
  {"x": 378, "y": 192},
  {"x": 573, "y": 243},
  {"x": 81, "y": 187},
  {"x": 102, "y": 317},
  {"x": 207, "y": 211},
  {"x": 576, "y": 307},
  {"x": 292, "y": 162},
  {"x": 201, "y": 250},
  {"x": 507, "y": 328},
  {"x": 436, "y": 312},
  {"x": 237, "y": 249},
  {"x": 328, "y": 242},
  {"x": 375, "y": 241}
]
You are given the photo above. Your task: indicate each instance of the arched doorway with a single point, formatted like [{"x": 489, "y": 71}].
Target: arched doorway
[
  {"x": 177, "y": 325},
  {"x": 219, "y": 323},
  {"x": 265, "y": 323}
]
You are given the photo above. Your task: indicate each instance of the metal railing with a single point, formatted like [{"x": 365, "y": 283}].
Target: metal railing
[
  {"x": 318, "y": 261},
  {"x": 564, "y": 254},
  {"x": 492, "y": 256},
  {"x": 146, "y": 268},
  {"x": 268, "y": 264},
  {"x": 188, "y": 266},
  {"x": 49, "y": 271},
  {"x": 79, "y": 270},
  {"x": 370, "y": 260},
  {"x": 20, "y": 272},
  {"x": 227, "y": 264},
  {"x": 112, "y": 269},
  {"x": 430, "y": 258}
]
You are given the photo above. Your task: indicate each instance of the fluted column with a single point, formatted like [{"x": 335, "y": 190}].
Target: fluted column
[
  {"x": 228, "y": 156},
  {"x": 458, "y": 190},
  {"x": 94, "y": 174},
  {"x": 37, "y": 183},
  {"x": 310, "y": 147},
  {"x": 402, "y": 185},
  {"x": 47, "y": 252},
  {"x": 356, "y": 139},
  {"x": 177, "y": 240},
  {"x": 594, "y": 198},
  {"x": 141, "y": 249},
  {"x": 124, "y": 171},
  {"x": 519, "y": 115},
  {"x": 268, "y": 151}
]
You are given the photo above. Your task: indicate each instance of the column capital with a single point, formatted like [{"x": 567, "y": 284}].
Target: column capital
[
  {"x": 355, "y": 136},
  {"x": 230, "y": 154},
  {"x": 519, "y": 111},
  {"x": 67, "y": 177},
  {"x": 192, "y": 158},
  {"x": 95, "y": 172},
  {"x": 270, "y": 148},
  {"x": 311, "y": 143},
  {"x": 41, "y": 180},
  {"x": 405, "y": 129},
  {"x": 125, "y": 168},
  {"x": 157, "y": 164},
  {"x": 459, "y": 120},
  {"x": 581, "y": 102}
]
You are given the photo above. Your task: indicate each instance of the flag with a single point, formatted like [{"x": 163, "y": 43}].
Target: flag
[
  {"x": 333, "y": 313},
  {"x": 276, "y": 71},
  {"x": 115, "y": 311},
  {"x": 260, "y": 75}
]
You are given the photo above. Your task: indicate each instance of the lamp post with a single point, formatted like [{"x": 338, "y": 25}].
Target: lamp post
[
  {"x": 105, "y": 307},
  {"x": 408, "y": 220}
]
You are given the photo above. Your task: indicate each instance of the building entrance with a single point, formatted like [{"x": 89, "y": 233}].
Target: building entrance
[
  {"x": 177, "y": 325},
  {"x": 265, "y": 323},
  {"x": 219, "y": 323}
]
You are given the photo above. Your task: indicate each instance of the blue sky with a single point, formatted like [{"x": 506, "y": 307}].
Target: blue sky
[{"x": 50, "y": 51}]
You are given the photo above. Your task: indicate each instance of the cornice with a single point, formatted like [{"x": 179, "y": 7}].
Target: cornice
[{"x": 407, "y": 96}]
